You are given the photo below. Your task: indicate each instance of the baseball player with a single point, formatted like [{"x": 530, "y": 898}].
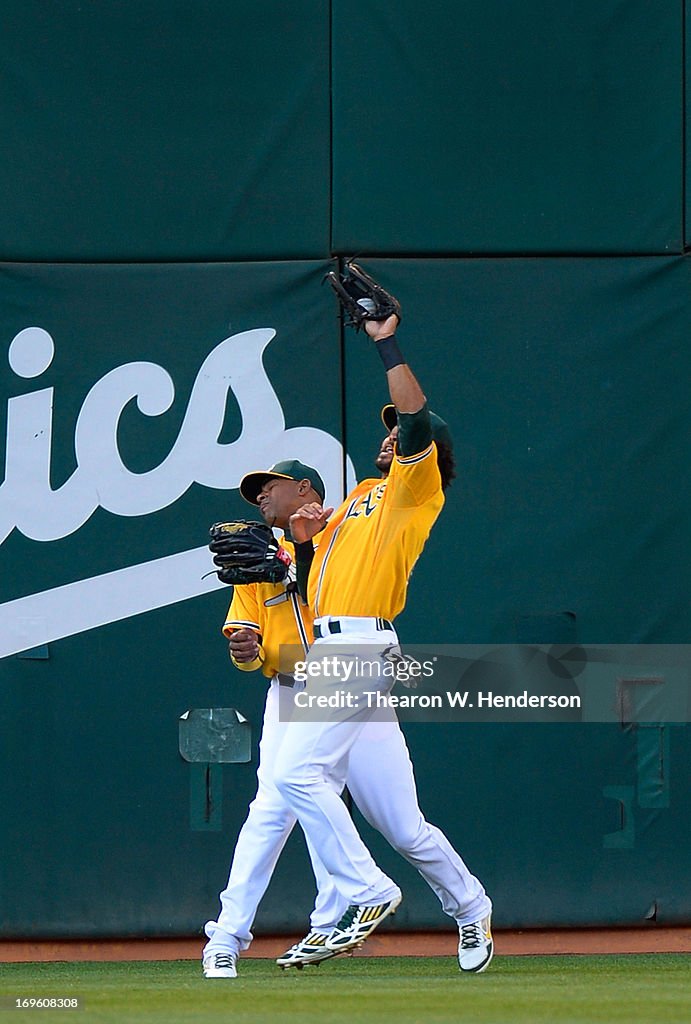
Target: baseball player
[
  {"x": 262, "y": 618},
  {"x": 357, "y": 585}
]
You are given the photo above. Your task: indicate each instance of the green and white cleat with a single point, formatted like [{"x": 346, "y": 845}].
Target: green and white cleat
[
  {"x": 310, "y": 950},
  {"x": 358, "y": 923}
]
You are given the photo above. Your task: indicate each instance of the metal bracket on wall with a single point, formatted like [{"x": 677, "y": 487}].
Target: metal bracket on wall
[{"x": 215, "y": 736}]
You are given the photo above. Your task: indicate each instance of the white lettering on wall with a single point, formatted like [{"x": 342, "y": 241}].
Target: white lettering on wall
[{"x": 102, "y": 479}]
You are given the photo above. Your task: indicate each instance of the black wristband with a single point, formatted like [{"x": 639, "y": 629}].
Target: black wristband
[
  {"x": 304, "y": 553},
  {"x": 305, "y": 549},
  {"x": 390, "y": 353}
]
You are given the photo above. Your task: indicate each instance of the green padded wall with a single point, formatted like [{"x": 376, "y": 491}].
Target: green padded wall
[
  {"x": 164, "y": 131},
  {"x": 564, "y": 382},
  {"x": 105, "y": 829},
  {"x": 687, "y": 126},
  {"x": 176, "y": 181},
  {"x": 498, "y": 126},
  {"x": 537, "y": 812}
]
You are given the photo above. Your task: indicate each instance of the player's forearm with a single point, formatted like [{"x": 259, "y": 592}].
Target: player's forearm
[
  {"x": 406, "y": 393},
  {"x": 414, "y": 426}
]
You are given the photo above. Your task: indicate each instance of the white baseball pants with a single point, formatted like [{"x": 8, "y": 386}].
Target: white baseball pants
[
  {"x": 318, "y": 757},
  {"x": 379, "y": 775}
]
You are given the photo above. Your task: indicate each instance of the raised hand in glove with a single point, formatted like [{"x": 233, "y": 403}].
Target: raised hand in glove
[{"x": 362, "y": 299}]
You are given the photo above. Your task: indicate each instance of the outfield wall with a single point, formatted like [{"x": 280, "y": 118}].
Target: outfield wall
[{"x": 176, "y": 184}]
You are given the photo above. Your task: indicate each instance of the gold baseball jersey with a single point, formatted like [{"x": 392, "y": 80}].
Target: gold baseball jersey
[
  {"x": 371, "y": 543},
  {"x": 277, "y": 614}
]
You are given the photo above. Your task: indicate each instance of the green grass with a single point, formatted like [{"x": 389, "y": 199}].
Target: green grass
[{"x": 633, "y": 989}]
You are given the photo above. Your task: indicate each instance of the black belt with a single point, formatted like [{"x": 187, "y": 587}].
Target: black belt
[
  {"x": 334, "y": 626},
  {"x": 285, "y": 680}
]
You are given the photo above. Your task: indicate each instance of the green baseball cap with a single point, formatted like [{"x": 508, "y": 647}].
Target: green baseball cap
[
  {"x": 440, "y": 429},
  {"x": 252, "y": 483}
]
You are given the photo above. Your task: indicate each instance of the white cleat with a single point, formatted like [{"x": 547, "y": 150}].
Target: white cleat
[
  {"x": 220, "y": 965},
  {"x": 475, "y": 946}
]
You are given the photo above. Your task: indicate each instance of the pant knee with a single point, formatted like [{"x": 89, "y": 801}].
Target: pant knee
[
  {"x": 287, "y": 783},
  {"x": 409, "y": 839},
  {"x": 292, "y": 785}
]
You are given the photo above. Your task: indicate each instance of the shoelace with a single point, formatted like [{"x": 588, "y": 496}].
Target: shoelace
[
  {"x": 224, "y": 960},
  {"x": 471, "y": 935},
  {"x": 348, "y": 917}
]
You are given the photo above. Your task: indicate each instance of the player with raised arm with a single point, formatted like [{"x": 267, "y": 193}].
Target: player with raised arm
[
  {"x": 357, "y": 585},
  {"x": 266, "y": 615}
]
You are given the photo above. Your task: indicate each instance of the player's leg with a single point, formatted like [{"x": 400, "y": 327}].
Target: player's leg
[
  {"x": 382, "y": 783},
  {"x": 312, "y": 754},
  {"x": 310, "y": 773},
  {"x": 328, "y": 910},
  {"x": 260, "y": 841},
  {"x": 259, "y": 845}
]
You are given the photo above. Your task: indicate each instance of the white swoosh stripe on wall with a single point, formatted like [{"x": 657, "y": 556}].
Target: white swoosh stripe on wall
[{"x": 75, "y": 607}]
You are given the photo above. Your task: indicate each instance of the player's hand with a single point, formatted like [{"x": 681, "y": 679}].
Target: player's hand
[
  {"x": 244, "y": 645},
  {"x": 380, "y": 329},
  {"x": 308, "y": 521}
]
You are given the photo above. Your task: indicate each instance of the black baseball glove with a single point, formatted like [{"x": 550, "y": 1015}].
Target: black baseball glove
[
  {"x": 247, "y": 552},
  {"x": 361, "y": 298}
]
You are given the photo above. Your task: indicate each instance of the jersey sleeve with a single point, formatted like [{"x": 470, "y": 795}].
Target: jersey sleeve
[
  {"x": 414, "y": 431},
  {"x": 244, "y": 610},
  {"x": 415, "y": 480}
]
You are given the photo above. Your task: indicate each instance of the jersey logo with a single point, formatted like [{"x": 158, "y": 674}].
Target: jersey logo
[{"x": 369, "y": 502}]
